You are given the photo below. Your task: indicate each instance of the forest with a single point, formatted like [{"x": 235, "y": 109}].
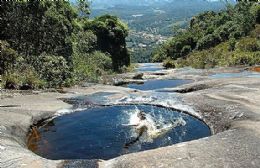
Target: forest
[
  {"x": 152, "y": 21},
  {"x": 54, "y": 44},
  {"x": 226, "y": 38}
]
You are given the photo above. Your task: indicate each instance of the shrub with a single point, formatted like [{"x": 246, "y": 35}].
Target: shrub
[
  {"x": 181, "y": 62},
  {"x": 169, "y": 63},
  {"x": 90, "y": 67},
  {"x": 30, "y": 80},
  {"x": 84, "y": 42},
  {"x": 130, "y": 68},
  {"x": 245, "y": 58},
  {"x": 197, "y": 59},
  {"x": 255, "y": 10},
  {"x": 102, "y": 61},
  {"x": 231, "y": 44},
  {"x": 159, "y": 54},
  {"x": 8, "y": 57},
  {"x": 256, "y": 32},
  {"x": 11, "y": 81},
  {"x": 186, "y": 50},
  {"x": 248, "y": 44},
  {"x": 52, "y": 69},
  {"x": 25, "y": 80},
  {"x": 208, "y": 41}
]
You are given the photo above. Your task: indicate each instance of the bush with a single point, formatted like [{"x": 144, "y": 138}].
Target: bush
[
  {"x": 101, "y": 60},
  {"x": 169, "y": 63},
  {"x": 8, "y": 57},
  {"x": 256, "y": 32},
  {"x": 52, "y": 69},
  {"x": 24, "y": 80},
  {"x": 89, "y": 67},
  {"x": 248, "y": 44},
  {"x": 11, "y": 81},
  {"x": 231, "y": 44},
  {"x": 181, "y": 62},
  {"x": 197, "y": 59},
  {"x": 208, "y": 41},
  {"x": 126, "y": 69},
  {"x": 159, "y": 54},
  {"x": 221, "y": 55},
  {"x": 255, "y": 10},
  {"x": 84, "y": 42},
  {"x": 208, "y": 58},
  {"x": 30, "y": 80},
  {"x": 245, "y": 58}
]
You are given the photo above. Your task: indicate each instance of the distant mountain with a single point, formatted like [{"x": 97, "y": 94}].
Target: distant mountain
[
  {"x": 145, "y": 14},
  {"x": 152, "y": 21},
  {"x": 111, "y": 3},
  {"x": 129, "y": 2}
]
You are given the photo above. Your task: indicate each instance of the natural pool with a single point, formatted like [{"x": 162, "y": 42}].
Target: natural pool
[{"x": 103, "y": 132}]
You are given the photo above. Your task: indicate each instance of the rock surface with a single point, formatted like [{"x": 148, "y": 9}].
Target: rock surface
[{"x": 230, "y": 106}]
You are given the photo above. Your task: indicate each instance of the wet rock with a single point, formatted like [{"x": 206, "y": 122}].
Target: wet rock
[
  {"x": 26, "y": 87},
  {"x": 11, "y": 85},
  {"x": 127, "y": 81},
  {"x": 192, "y": 89},
  {"x": 158, "y": 73},
  {"x": 138, "y": 76}
]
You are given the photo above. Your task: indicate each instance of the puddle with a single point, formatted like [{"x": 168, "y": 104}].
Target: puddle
[
  {"x": 156, "y": 83},
  {"x": 159, "y": 84},
  {"x": 104, "y": 132}
]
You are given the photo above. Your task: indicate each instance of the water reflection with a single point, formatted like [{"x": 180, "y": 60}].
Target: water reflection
[{"x": 100, "y": 133}]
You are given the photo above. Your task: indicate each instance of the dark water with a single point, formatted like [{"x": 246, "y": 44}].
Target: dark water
[
  {"x": 159, "y": 84},
  {"x": 98, "y": 133}
]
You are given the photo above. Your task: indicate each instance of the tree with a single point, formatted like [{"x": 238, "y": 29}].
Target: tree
[
  {"x": 53, "y": 69},
  {"x": 83, "y": 8},
  {"x": 8, "y": 57},
  {"x": 33, "y": 27},
  {"x": 111, "y": 34},
  {"x": 84, "y": 42}
]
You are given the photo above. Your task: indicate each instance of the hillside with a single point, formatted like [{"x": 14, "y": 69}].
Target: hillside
[
  {"x": 152, "y": 22},
  {"x": 226, "y": 38}
]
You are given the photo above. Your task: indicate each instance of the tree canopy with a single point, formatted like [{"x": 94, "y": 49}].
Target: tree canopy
[
  {"x": 111, "y": 34},
  {"x": 210, "y": 29},
  {"x": 51, "y": 38}
]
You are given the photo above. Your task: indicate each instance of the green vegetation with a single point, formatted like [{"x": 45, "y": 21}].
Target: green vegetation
[
  {"x": 53, "y": 44},
  {"x": 168, "y": 63},
  {"x": 111, "y": 34},
  {"x": 226, "y": 38},
  {"x": 152, "y": 22}
]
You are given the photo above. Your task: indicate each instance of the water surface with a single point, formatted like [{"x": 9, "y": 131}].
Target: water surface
[{"x": 100, "y": 133}]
